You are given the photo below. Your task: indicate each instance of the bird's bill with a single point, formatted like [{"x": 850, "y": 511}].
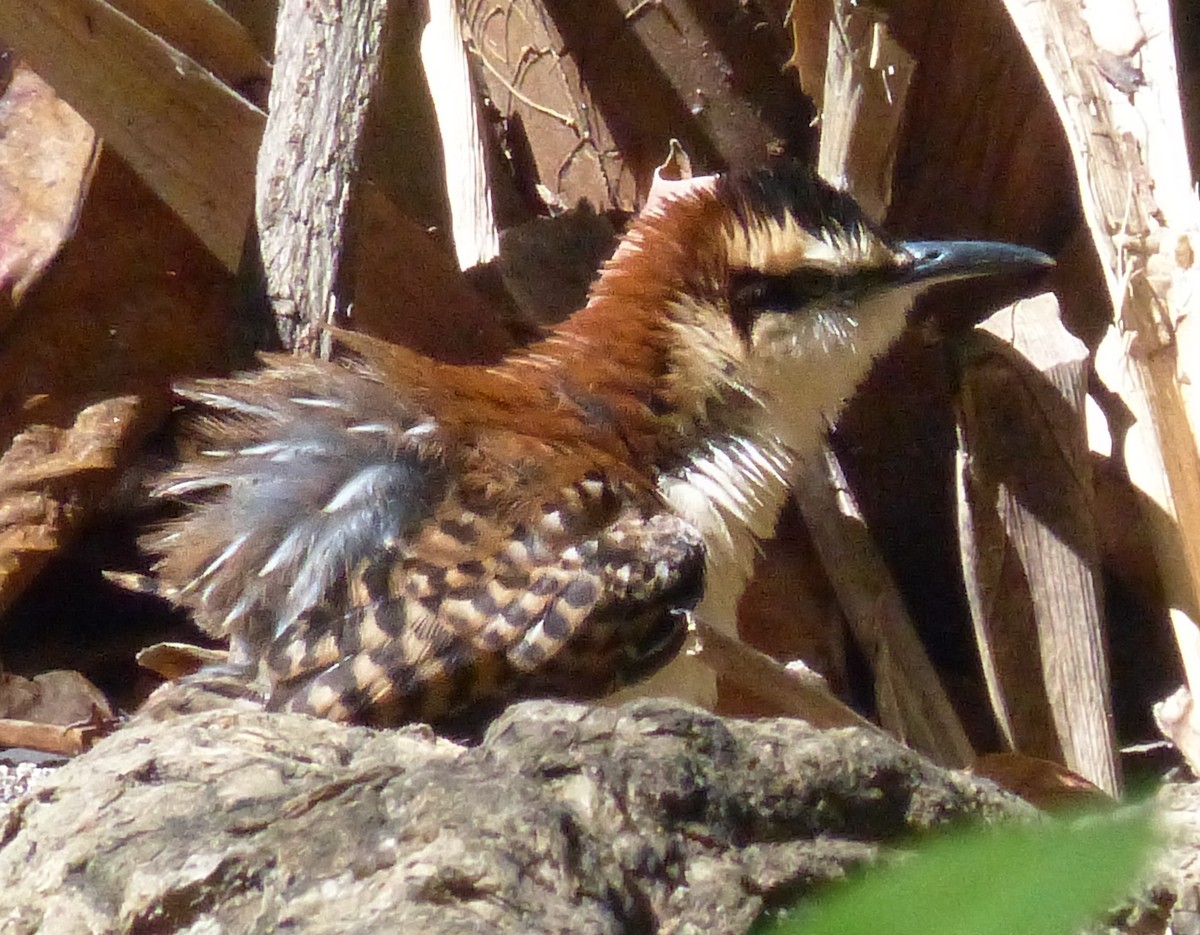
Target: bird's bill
[{"x": 937, "y": 261}]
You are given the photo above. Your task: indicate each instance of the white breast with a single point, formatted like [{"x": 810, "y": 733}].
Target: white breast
[{"x": 732, "y": 491}]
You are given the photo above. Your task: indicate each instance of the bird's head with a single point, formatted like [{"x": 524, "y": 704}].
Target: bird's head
[{"x": 770, "y": 290}]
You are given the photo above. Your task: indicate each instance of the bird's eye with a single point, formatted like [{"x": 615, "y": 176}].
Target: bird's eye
[{"x": 752, "y": 293}]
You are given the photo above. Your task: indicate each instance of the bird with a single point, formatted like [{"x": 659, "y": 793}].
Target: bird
[{"x": 391, "y": 538}]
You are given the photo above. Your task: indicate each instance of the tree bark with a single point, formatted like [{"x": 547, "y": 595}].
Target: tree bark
[{"x": 327, "y": 64}]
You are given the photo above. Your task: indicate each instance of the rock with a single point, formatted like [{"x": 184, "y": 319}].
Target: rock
[{"x": 564, "y": 818}]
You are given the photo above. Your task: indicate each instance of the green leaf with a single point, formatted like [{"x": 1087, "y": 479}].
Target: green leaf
[{"x": 1046, "y": 879}]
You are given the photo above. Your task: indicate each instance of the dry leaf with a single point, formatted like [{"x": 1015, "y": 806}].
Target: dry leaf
[
  {"x": 132, "y": 303},
  {"x": 47, "y": 153},
  {"x": 50, "y": 477},
  {"x": 61, "y": 697},
  {"x": 1176, "y": 719},
  {"x": 175, "y": 660},
  {"x": 1046, "y": 784}
]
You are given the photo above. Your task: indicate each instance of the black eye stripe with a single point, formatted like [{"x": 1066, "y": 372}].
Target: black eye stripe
[
  {"x": 780, "y": 292},
  {"x": 751, "y": 293}
]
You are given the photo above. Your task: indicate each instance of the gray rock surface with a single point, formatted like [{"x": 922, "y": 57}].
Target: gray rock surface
[{"x": 652, "y": 817}]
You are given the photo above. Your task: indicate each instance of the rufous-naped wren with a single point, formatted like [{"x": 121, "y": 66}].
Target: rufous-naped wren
[{"x": 404, "y": 539}]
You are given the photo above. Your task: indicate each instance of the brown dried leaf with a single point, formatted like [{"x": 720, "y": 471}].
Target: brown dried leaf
[
  {"x": 407, "y": 290},
  {"x": 61, "y": 697},
  {"x": 1048, "y": 785},
  {"x": 44, "y": 454},
  {"x": 551, "y": 113},
  {"x": 600, "y": 89},
  {"x": 809, "y": 22},
  {"x": 175, "y": 660},
  {"x": 132, "y": 302},
  {"x": 548, "y": 264},
  {"x": 47, "y": 153},
  {"x": 50, "y": 477}
]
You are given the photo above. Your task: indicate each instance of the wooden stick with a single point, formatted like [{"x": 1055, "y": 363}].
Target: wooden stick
[
  {"x": 795, "y": 691},
  {"x": 867, "y": 75},
  {"x": 50, "y": 738},
  {"x": 1110, "y": 69},
  {"x": 209, "y": 36},
  {"x": 1028, "y": 541},
  {"x": 913, "y": 706},
  {"x": 444, "y": 56}
]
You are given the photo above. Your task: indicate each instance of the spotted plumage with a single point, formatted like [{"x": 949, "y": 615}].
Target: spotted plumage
[
  {"x": 403, "y": 539},
  {"x": 371, "y": 564}
]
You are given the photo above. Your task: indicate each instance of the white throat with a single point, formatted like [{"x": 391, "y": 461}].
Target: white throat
[{"x": 734, "y": 487}]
